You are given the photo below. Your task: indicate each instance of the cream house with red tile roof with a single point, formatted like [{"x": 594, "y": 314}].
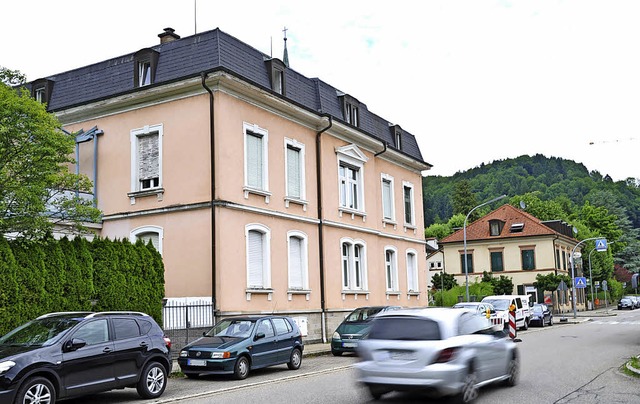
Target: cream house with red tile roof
[{"x": 513, "y": 243}]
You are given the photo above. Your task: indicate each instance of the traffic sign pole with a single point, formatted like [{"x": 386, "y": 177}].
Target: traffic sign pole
[{"x": 602, "y": 241}]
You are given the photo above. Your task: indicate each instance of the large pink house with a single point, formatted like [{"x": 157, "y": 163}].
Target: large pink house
[{"x": 264, "y": 190}]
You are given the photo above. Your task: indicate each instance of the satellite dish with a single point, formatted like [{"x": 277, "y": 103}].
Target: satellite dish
[
  {"x": 575, "y": 230},
  {"x": 523, "y": 205}
]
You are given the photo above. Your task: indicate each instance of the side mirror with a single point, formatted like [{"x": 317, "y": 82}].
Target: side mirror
[
  {"x": 259, "y": 336},
  {"x": 74, "y": 344}
]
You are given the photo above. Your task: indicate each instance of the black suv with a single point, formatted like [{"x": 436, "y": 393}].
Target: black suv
[{"x": 63, "y": 355}]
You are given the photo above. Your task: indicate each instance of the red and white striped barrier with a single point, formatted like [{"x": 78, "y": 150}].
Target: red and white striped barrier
[{"x": 512, "y": 324}]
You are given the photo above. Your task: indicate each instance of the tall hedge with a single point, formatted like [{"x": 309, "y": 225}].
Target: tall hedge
[{"x": 77, "y": 275}]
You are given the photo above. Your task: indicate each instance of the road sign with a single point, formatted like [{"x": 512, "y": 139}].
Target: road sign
[
  {"x": 604, "y": 286},
  {"x": 601, "y": 244},
  {"x": 581, "y": 282}
]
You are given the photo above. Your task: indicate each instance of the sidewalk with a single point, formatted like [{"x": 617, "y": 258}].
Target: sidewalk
[{"x": 582, "y": 316}]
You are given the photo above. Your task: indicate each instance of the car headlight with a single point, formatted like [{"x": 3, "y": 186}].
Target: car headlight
[
  {"x": 220, "y": 355},
  {"x": 183, "y": 354},
  {"x": 5, "y": 366},
  {"x": 336, "y": 335}
]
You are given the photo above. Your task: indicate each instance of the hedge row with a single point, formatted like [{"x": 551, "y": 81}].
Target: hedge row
[{"x": 49, "y": 275}]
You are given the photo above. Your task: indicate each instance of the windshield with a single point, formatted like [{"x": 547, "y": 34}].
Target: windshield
[
  {"x": 537, "y": 309},
  {"x": 362, "y": 314},
  {"x": 499, "y": 304},
  {"x": 240, "y": 328},
  {"x": 39, "y": 332}
]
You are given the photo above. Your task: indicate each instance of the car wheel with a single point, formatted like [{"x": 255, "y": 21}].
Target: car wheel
[
  {"x": 295, "y": 360},
  {"x": 542, "y": 322},
  {"x": 241, "y": 370},
  {"x": 153, "y": 381},
  {"x": 551, "y": 320},
  {"x": 526, "y": 325},
  {"x": 377, "y": 391},
  {"x": 469, "y": 391},
  {"x": 513, "y": 371},
  {"x": 36, "y": 390},
  {"x": 336, "y": 353}
]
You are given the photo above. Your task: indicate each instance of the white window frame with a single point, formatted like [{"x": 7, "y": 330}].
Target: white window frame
[
  {"x": 353, "y": 265},
  {"x": 387, "y": 178},
  {"x": 304, "y": 260},
  {"x": 266, "y": 255},
  {"x": 135, "y": 135},
  {"x": 135, "y": 234},
  {"x": 144, "y": 73},
  {"x": 263, "y": 189},
  {"x": 301, "y": 199},
  {"x": 406, "y": 184},
  {"x": 391, "y": 269},
  {"x": 413, "y": 281},
  {"x": 352, "y": 157}
]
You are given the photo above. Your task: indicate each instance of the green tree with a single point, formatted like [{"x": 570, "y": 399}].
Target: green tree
[
  {"x": 445, "y": 280},
  {"x": 36, "y": 185},
  {"x": 11, "y": 77},
  {"x": 464, "y": 200},
  {"x": 503, "y": 285}
]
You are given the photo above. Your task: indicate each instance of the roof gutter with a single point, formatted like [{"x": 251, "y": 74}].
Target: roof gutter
[
  {"x": 320, "y": 226},
  {"x": 212, "y": 149}
]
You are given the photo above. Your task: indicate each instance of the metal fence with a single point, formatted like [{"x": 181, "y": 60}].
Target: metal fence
[{"x": 185, "y": 322}]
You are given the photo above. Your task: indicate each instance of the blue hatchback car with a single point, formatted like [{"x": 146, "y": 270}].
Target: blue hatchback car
[{"x": 239, "y": 344}]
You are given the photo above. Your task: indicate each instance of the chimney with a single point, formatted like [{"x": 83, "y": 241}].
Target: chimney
[{"x": 168, "y": 35}]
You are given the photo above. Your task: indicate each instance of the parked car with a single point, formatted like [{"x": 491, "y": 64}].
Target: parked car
[
  {"x": 625, "y": 303},
  {"x": 634, "y": 299},
  {"x": 481, "y": 309},
  {"x": 442, "y": 351},
  {"x": 502, "y": 304},
  {"x": 541, "y": 315},
  {"x": 66, "y": 355},
  {"x": 353, "y": 327},
  {"x": 238, "y": 345}
]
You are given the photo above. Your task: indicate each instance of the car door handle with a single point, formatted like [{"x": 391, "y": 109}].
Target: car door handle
[
  {"x": 106, "y": 350},
  {"x": 143, "y": 344}
]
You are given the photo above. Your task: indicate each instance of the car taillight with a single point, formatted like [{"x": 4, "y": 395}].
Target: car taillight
[
  {"x": 167, "y": 341},
  {"x": 446, "y": 355}
]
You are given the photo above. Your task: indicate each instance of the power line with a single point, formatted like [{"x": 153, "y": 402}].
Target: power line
[{"x": 612, "y": 141}]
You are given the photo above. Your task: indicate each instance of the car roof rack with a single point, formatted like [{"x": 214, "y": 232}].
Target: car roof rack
[
  {"x": 125, "y": 313},
  {"x": 60, "y": 313}
]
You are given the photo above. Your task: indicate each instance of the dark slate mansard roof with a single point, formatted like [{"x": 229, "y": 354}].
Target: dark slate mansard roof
[{"x": 207, "y": 52}]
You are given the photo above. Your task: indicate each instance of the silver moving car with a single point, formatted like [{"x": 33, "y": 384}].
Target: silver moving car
[{"x": 438, "y": 351}]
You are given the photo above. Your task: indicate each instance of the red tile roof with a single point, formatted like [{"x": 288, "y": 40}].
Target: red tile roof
[{"x": 479, "y": 230}]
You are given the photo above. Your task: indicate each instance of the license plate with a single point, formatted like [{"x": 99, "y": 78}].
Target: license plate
[
  {"x": 349, "y": 344},
  {"x": 403, "y": 356},
  {"x": 197, "y": 362}
]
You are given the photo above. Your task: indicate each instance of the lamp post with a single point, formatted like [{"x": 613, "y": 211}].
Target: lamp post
[
  {"x": 464, "y": 231},
  {"x": 593, "y": 302},
  {"x": 573, "y": 274}
]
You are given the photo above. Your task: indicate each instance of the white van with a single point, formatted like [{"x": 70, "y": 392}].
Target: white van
[{"x": 502, "y": 303}]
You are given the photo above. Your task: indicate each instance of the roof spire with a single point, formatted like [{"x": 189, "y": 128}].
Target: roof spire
[{"x": 285, "y": 58}]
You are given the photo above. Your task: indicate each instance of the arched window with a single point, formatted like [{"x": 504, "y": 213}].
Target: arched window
[
  {"x": 146, "y": 234},
  {"x": 354, "y": 272},
  {"x": 298, "y": 261},
  {"x": 258, "y": 240}
]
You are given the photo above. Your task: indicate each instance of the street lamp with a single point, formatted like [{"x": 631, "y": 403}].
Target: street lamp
[
  {"x": 573, "y": 274},
  {"x": 593, "y": 302},
  {"x": 464, "y": 231}
]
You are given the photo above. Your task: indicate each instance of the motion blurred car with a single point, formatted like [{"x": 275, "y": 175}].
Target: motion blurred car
[
  {"x": 440, "y": 351},
  {"x": 65, "y": 355},
  {"x": 541, "y": 315},
  {"x": 353, "y": 327},
  {"x": 625, "y": 304},
  {"x": 238, "y": 345}
]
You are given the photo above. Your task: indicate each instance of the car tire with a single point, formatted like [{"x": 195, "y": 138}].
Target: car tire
[
  {"x": 153, "y": 381},
  {"x": 241, "y": 369},
  {"x": 551, "y": 321},
  {"x": 542, "y": 322},
  {"x": 525, "y": 327},
  {"x": 39, "y": 389},
  {"x": 336, "y": 353},
  {"x": 470, "y": 389},
  {"x": 513, "y": 372},
  {"x": 295, "y": 360}
]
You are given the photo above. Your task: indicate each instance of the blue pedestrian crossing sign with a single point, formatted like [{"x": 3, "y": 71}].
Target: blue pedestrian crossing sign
[
  {"x": 581, "y": 282},
  {"x": 601, "y": 244}
]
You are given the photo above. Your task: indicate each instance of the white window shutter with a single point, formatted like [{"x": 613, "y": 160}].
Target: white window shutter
[
  {"x": 293, "y": 172},
  {"x": 386, "y": 198},
  {"x": 295, "y": 263},
  {"x": 411, "y": 272},
  {"x": 254, "y": 161},
  {"x": 256, "y": 259}
]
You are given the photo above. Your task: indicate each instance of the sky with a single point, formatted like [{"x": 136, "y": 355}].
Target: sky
[{"x": 474, "y": 80}]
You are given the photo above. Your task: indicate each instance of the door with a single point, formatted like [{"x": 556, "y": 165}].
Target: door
[
  {"x": 285, "y": 339},
  {"x": 264, "y": 352},
  {"x": 130, "y": 350},
  {"x": 89, "y": 369}
]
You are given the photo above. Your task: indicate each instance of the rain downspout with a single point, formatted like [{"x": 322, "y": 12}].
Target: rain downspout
[
  {"x": 320, "y": 227},
  {"x": 213, "y": 196},
  {"x": 383, "y": 150}
]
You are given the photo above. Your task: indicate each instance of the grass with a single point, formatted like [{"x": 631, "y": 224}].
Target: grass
[{"x": 634, "y": 362}]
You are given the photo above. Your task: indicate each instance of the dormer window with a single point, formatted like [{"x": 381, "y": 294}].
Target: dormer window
[
  {"x": 351, "y": 110},
  {"x": 41, "y": 90},
  {"x": 145, "y": 66},
  {"x": 495, "y": 227},
  {"x": 276, "y": 69},
  {"x": 396, "y": 132}
]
